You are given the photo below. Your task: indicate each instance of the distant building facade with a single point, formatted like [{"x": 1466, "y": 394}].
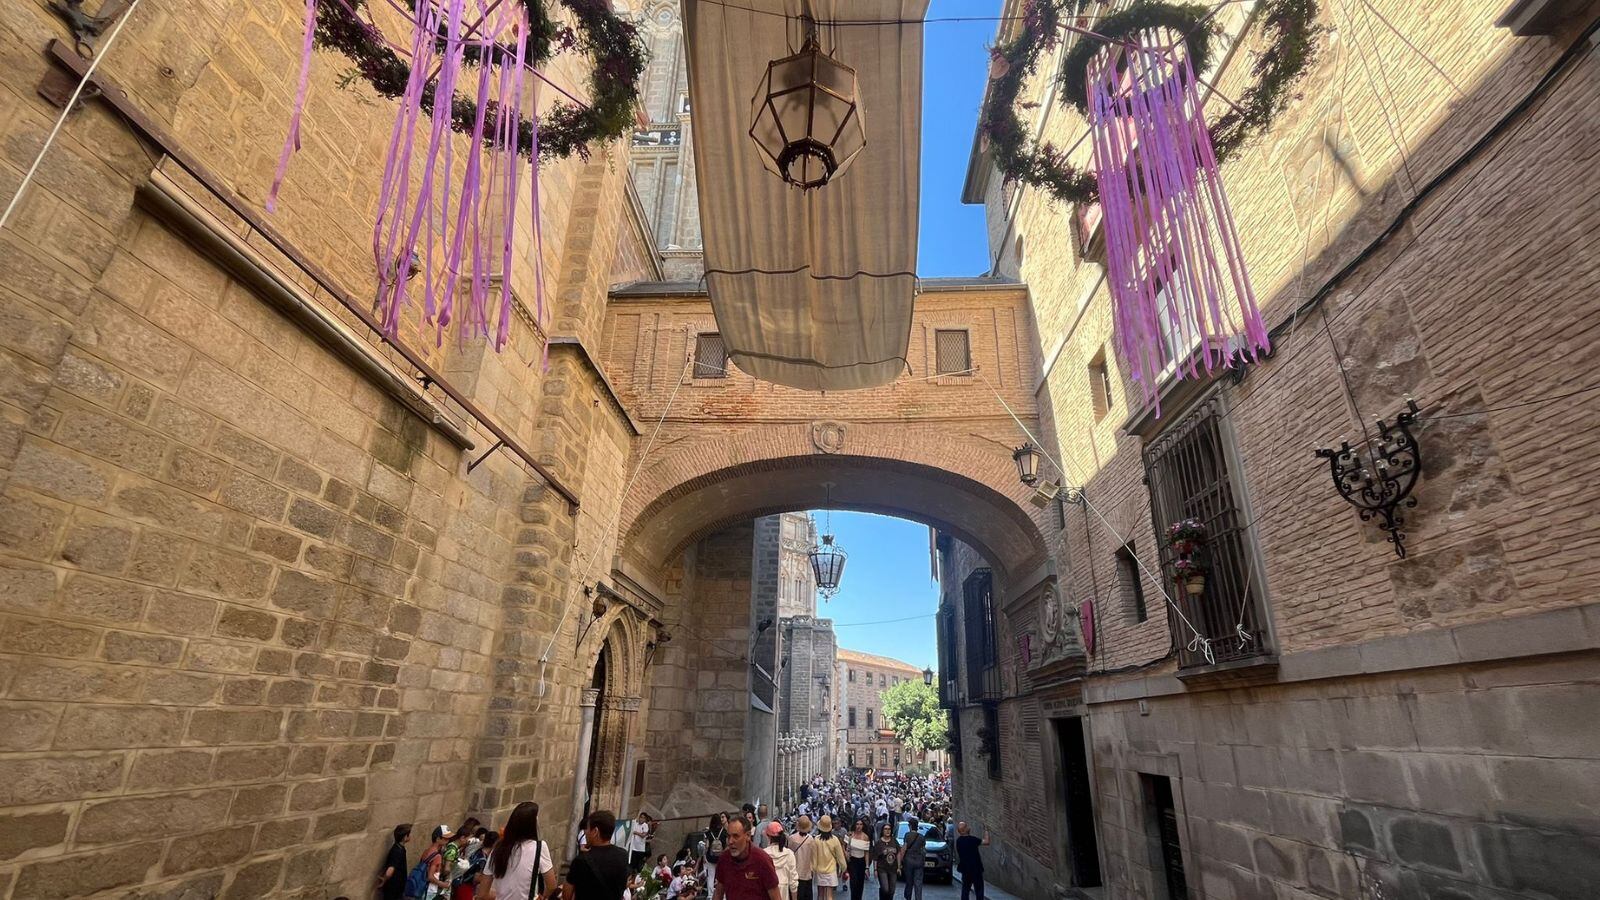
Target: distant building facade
[
  {"x": 661, "y": 158},
  {"x": 863, "y": 739},
  {"x": 797, "y": 689}
]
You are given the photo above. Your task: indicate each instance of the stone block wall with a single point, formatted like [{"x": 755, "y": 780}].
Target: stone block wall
[
  {"x": 1474, "y": 782},
  {"x": 700, "y": 688}
]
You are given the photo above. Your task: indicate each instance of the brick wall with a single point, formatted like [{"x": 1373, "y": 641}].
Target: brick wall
[{"x": 1333, "y": 778}]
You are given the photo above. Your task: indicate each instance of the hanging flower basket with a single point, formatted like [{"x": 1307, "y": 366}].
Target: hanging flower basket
[
  {"x": 1190, "y": 575},
  {"x": 1188, "y": 533}
]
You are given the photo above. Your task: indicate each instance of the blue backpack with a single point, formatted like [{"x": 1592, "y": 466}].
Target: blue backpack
[{"x": 417, "y": 881}]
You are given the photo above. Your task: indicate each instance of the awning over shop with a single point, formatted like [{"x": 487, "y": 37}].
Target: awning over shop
[{"x": 811, "y": 289}]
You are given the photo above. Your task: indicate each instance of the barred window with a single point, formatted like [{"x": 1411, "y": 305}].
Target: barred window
[
  {"x": 952, "y": 355},
  {"x": 955, "y": 738},
  {"x": 1190, "y": 477},
  {"x": 982, "y": 652},
  {"x": 852, "y": 717},
  {"x": 710, "y": 356},
  {"x": 991, "y": 724}
]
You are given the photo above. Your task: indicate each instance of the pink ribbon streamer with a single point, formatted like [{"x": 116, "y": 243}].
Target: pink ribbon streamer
[
  {"x": 1174, "y": 262},
  {"x": 424, "y": 226},
  {"x": 291, "y": 142}
]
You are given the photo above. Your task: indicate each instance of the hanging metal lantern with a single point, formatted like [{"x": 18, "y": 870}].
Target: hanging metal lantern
[
  {"x": 1027, "y": 460},
  {"x": 805, "y": 117},
  {"x": 827, "y": 563}
]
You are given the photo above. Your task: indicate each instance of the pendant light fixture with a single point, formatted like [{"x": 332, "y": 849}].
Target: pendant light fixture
[
  {"x": 806, "y": 115},
  {"x": 827, "y": 559}
]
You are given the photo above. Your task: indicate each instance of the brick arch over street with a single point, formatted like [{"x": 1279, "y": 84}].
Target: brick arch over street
[{"x": 939, "y": 476}]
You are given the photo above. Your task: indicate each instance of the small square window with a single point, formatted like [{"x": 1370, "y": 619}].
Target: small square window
[
  {"x": 1100, "y": 385},
  {"x": 710, "y": 356},
  {"x": 952, "y": 355},
  {"x": 1128, "y": 573}
]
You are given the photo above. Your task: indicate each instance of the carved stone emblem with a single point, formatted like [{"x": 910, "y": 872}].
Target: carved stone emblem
[
  {"x": 1051, "y": 618},
  {"x": 827, "y": 436}
]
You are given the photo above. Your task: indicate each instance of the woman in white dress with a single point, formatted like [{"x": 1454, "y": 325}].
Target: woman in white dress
[{"x": 518, "y": 855}]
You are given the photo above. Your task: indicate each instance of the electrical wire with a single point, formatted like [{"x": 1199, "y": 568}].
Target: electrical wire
[
  {"x": 1200, "y": 642},
  {"x": 66, "y": 110}
]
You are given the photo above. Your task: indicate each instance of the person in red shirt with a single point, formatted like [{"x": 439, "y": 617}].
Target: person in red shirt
[{"x": 742, "y": 872}]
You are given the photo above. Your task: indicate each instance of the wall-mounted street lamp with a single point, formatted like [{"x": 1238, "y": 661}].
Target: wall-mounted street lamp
[{"x": 1027, "y": 459}]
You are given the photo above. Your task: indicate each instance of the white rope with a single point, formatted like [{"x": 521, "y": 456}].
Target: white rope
[
  {"x": 594, "y": 555},
  {"x": 66, "y": 111},
  {"x": 1200, "y": 643}
]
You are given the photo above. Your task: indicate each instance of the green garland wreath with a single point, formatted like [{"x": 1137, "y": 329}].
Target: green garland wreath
[
  {"x": 567, "y": 128},
  {"x": 1290, "y": 25}
]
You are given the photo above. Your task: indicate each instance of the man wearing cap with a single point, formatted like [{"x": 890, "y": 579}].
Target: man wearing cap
[
  {"x": 743, "y": 872},
  {"x": 801, "y": 845}
]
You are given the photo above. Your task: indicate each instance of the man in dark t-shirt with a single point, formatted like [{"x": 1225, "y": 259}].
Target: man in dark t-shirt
[
  {"x": 601, "y": 872},
  {"x": 969, "y": 862},
  {"x": 743, "y": 872},
  {"x": 392, "y": 874}
]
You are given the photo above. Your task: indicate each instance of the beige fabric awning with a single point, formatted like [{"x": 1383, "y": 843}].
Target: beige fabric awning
[{"x": 811, "y": 289}]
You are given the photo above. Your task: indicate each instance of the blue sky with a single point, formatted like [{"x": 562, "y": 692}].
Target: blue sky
[
  {"x": 955, "y": 68},
  {"x": 886, "y": 577}
]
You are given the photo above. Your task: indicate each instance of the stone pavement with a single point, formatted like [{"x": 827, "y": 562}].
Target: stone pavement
[{"x": 952, "y": 891}]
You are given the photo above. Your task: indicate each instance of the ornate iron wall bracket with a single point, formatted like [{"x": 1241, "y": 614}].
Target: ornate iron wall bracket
[
  {"x": 1378, "y": 479},
  {"x": 85, "y": 28}
]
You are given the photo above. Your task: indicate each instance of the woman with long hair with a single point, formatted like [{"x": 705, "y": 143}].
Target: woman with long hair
[
  {"x": 716, "y": 842},
  {"x": 827, "y": 860},
  {"x": 886, "y": 860},
  {"x": 858, "y": 845},
  {"x": 519, "y": 858},
  {"x": 782, "y": 859}
]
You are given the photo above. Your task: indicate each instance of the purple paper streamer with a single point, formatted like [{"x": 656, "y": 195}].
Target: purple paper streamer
[
  {"x": 291, "y": 141},
  {"x": 1168, "y": 225}
]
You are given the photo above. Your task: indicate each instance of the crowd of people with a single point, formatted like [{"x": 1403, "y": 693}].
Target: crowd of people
[{"x": 844, "y": 834}]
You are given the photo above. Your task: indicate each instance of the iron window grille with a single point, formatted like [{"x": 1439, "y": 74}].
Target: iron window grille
[
  {"x": 1187, "y": 468},
  {"x": 955, "y": 738},
  {"x": 982, "y": 645},
  {"x": 952, "y": 352},
  {"x": 710, "y": 356},
  {"x": 947, "y": 657},
  {"x": 852, "y": 717},
  {"x": 991, "y": 724},
  {"x": 869, "y": 720}
]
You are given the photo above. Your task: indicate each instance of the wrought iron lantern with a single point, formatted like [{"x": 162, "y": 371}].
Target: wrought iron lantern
[
  {"x": 927, "y": 676},
  {"x": 1027, "y": 458},
  {"x": 1378, "y": 480},
  {"x": 827, "y": 563},
  {"x": 806, "y": 116}
]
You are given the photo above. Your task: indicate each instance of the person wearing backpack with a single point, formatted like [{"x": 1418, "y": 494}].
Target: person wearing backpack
[
  {"x": 425, "y": 881},
  {"x": 520, "y": 861},
  {"x": 392, "y": 877}
]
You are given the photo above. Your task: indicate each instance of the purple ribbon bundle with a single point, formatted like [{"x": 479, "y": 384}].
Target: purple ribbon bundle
[
  {"x": 1180, "y": 291},
  {"x": 423, "y": 227}
]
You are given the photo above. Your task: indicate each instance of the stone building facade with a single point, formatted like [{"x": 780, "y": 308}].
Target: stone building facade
[
  {"x": 1396, "y": 727},
  {"x": 864, "y": 739},
  {"x": 661, "y": 157},
  {"x": 793, "y": 655}
]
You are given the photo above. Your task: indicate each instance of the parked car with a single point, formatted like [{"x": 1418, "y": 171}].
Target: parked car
[{"x": 938, "y": 863}]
